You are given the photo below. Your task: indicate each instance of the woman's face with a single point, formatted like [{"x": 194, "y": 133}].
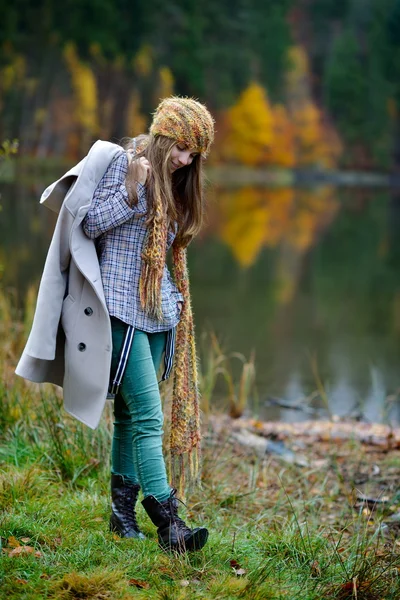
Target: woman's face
[{"x": 181, "y": 157}]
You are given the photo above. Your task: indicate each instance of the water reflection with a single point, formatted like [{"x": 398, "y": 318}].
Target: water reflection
[{"x": 308, "y": 278}]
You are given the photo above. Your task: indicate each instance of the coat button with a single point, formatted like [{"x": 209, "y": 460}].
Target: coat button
[
  {"x": 88, "y": 311},
  {"x": 81, "y": 347}
]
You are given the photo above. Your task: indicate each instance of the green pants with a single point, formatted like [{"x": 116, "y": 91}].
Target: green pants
[{"x": 138, "y": 425}]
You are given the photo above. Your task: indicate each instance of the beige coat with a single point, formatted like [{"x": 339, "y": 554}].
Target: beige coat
[{"x": 70, "y": 340}]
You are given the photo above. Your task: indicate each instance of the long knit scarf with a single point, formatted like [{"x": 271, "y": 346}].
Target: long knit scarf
[{"x": 185, "y": 436}]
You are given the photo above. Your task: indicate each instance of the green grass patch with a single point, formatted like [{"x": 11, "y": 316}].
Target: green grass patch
[{"x": 277, "y": 530}]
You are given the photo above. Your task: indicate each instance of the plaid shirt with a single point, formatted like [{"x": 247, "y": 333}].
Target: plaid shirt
[{"x": 120, "y": 233}]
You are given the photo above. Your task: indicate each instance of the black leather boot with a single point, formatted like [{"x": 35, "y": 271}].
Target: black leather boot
[
  {"x": 173, "y": 533},
  {"x": 123, "y": 516}
]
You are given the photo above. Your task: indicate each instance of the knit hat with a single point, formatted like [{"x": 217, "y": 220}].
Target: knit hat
[{"x": 186, "y": 121}]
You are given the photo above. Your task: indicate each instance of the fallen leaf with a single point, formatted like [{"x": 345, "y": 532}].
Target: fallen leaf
[
  {"x": 234, "y": 564},
  {"x": 139, "y": 584},
  {"x": 22, "y": 550},
  {"x": 44, "y": 576},
  {"x": 22, "y": 581},
  {"x": 237, "y": 569},
  {"x": 13, "y": 542},
  {"x": 184, "y": 582},
  {"x": 315, "y": 569},
  {"x": 26, "y": 540},
  {"x": 98, "y": 519}
]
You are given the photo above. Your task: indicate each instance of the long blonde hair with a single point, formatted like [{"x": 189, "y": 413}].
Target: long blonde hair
[{"x": 181, "y": 193}]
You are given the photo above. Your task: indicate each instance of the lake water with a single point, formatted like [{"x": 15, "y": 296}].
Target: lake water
[{"x": 307, "y": 279}]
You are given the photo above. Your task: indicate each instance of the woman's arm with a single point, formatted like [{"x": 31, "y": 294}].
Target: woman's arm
[{"x": 110, "y": 203}]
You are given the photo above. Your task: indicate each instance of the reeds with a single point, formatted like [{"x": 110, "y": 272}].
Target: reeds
[{"x": 216, "y": 363}]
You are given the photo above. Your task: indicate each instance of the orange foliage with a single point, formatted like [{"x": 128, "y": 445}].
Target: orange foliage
[
  {"x": 315, "y": 209},
  {"x": 254, "y": 133},
  {"x": 282, "y": 152},
  {"x": 315, "y": 140}
]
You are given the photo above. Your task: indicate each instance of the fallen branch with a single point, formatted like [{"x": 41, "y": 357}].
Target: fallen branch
[{"x": 383, "y": 436}]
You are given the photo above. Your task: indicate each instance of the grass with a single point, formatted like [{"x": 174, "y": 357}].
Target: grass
[{"x": 276, "y": 531}]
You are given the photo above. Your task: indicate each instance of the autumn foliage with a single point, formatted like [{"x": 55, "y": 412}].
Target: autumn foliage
[
  {"x": 290, "y": 220},
  {"x": 256, "y": 132}
]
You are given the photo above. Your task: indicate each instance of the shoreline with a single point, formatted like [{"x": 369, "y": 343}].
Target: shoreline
[{"x": 231, "y": 176}]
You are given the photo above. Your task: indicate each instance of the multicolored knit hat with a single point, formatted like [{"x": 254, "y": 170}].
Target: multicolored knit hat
[{"x": 186, "y": 121}]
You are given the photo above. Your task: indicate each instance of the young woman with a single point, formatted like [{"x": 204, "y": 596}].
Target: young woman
[{"x": 149, "y": 200}]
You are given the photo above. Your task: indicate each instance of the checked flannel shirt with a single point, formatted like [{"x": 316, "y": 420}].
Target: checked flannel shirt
[{"x": 120, "y": 233}]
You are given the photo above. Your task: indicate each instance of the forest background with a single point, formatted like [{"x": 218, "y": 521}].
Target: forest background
[{"x": 292, "y": 83}]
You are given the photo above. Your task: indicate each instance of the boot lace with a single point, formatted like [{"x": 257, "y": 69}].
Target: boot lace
[
  {"x": 129, "y": 495},
  {"x": 173, "y": 510}
]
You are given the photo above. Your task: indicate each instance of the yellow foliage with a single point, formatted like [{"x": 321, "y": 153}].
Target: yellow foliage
[
  {"x": 143, "y": 61},
  {"x": 249, "y": 125},
  {"x": 13, "y": 74},
  {"x": 252, "y": 218},
  {"x": 166, "y": 82},
  {"x": 244, "y": 231},
  {"x": 85, "y": 90},
  {"x": 136, "y": 122},
  {"x": 40, "y": 116},
  {"x": 254, "y": 133}
]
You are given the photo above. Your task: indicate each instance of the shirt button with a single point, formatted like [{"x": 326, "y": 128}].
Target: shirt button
[
  {"x": 81, "y": 347},
  {"x": 88, "y": 311}
]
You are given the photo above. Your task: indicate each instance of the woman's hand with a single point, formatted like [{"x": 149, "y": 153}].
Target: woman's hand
[
  {"x": 141, "y": 170},
  {"x": 180, "y": 306}
]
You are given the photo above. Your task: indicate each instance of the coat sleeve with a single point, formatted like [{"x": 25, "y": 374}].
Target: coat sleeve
[{"x": 110, "y": 202}]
